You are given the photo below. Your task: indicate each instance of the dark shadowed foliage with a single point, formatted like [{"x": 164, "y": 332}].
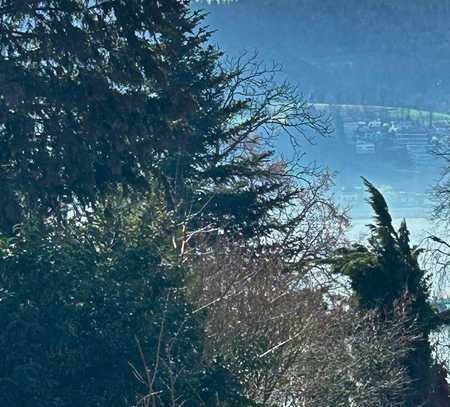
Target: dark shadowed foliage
[
  {"x": 86, "y": 308},
  {"x": 100, "y": 93}
]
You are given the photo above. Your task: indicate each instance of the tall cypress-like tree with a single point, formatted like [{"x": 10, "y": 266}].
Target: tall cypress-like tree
[{"x": 386, "y": 277}]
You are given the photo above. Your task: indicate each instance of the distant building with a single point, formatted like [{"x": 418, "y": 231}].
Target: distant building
[
  {"x": 350, "y": 129},
  {"x": 363, "y": 147},
  {"x": 405, "y": 139},
  {"x": 417, "y": 142}
]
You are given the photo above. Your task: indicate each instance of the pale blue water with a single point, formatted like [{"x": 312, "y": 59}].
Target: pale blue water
[{"x": 419, "y": 228}]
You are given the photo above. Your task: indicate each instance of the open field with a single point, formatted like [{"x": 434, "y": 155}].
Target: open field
[{"x": 388, "y": 112}]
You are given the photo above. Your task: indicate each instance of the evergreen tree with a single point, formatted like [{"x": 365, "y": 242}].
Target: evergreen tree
[
  {"x": 100, "y": 93},
  {"x": 85, "y": 305},
  {"x": 386, "y": 277}
]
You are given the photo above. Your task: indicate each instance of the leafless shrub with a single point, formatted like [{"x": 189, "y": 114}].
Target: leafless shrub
[{"x": 292, "y": 343}]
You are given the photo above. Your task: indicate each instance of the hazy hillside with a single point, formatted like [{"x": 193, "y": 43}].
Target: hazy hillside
[{"x": 347, "y": 51}]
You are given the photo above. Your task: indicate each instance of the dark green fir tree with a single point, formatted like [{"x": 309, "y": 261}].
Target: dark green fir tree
[{"x": 95, "y": 94}]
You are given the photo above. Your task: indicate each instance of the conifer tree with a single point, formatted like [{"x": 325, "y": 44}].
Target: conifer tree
[
  {"x": 386, "y": 277},
  {"x": 96, "y": 94}
]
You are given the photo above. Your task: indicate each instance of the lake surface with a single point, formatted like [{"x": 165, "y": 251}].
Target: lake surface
[
  {"x": 419, "y": 228},
  {"x": 418, "y": 220}
]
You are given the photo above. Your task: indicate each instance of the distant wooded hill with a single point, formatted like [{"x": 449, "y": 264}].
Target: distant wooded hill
[{"x": 383, "y": 52}]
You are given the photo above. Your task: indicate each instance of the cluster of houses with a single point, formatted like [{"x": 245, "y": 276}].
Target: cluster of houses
[
  {"x": 412, "y": 140},
  {"x": 392, "y": 147}
]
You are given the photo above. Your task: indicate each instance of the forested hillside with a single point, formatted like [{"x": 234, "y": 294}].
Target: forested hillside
[{"x": 392, "y": 53}]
